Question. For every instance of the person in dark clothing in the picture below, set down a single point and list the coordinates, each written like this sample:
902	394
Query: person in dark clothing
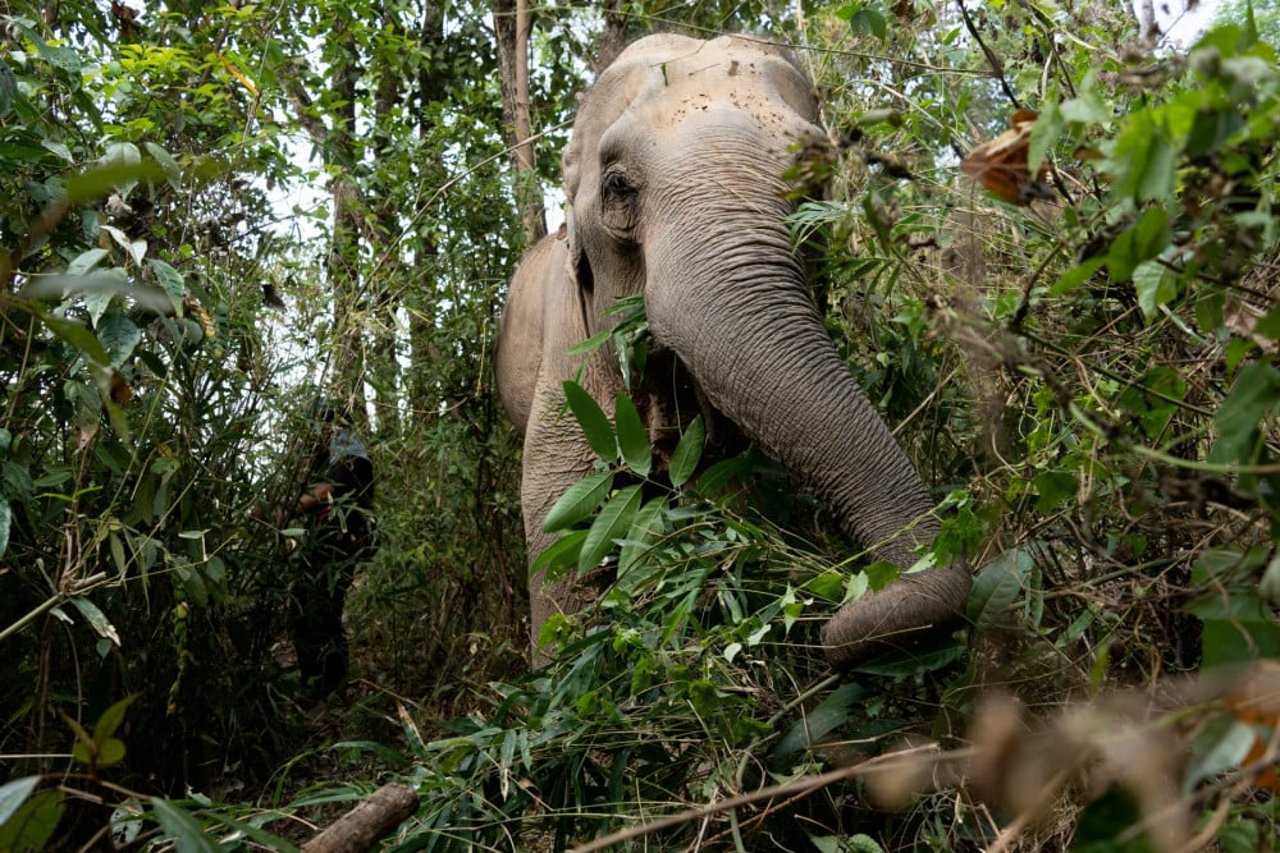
339	524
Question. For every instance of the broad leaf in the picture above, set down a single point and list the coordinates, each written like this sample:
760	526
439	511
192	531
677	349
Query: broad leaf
96	618
170	281
182	828
684	461
6	520
645	530
996	587
633	439
86	261
14	794
819	722
614	521
77	335
595	424
33	823
577	502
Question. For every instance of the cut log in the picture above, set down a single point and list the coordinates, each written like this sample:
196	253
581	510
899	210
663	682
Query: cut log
366	824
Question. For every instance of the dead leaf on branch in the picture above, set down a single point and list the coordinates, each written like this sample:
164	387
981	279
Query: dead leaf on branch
1000	164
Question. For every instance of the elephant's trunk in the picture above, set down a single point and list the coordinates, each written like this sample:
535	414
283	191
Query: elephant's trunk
742	322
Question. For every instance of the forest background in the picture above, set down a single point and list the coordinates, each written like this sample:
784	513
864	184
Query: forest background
212	213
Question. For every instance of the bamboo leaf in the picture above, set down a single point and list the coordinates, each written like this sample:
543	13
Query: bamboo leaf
577	502
633	439
595	424
684	461
614	521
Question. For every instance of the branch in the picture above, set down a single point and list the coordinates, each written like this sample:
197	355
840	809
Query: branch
365	825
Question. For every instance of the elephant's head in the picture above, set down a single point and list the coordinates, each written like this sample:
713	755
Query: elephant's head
674	181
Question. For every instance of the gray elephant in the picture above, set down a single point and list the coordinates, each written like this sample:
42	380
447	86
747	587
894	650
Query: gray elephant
673	177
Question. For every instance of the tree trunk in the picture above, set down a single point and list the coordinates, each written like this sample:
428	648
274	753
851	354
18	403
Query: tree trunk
512	29
613	38
347	368
421	296
389	273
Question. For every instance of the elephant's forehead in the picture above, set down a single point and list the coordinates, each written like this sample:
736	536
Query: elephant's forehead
756	85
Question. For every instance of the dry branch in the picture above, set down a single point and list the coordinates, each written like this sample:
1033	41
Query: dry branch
366	824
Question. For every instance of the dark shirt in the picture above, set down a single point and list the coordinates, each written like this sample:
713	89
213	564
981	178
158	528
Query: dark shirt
346	523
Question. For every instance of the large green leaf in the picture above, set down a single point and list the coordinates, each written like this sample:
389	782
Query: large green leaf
684	461
14	794
1256	393
185	831
6	519
171	282
996	587
32	824
119	335
77	335
595	424
577	502
818	723
614	521
645	530
633	439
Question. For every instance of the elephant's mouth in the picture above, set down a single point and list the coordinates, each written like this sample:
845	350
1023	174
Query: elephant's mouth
668	398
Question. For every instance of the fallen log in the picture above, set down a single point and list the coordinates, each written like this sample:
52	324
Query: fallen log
366	824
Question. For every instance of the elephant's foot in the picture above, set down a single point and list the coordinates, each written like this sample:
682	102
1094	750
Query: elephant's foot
909	609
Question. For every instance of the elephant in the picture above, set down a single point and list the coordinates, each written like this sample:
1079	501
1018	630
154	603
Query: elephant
673	178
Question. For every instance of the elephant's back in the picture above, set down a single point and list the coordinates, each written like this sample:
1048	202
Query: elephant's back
518	355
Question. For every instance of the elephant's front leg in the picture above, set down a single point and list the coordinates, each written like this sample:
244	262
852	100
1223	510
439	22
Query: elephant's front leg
556	456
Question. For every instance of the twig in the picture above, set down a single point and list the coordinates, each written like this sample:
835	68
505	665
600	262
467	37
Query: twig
796	789
996	67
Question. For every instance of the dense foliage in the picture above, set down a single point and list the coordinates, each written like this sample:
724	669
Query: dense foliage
211	214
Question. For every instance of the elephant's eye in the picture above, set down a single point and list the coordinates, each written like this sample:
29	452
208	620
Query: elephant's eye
616	186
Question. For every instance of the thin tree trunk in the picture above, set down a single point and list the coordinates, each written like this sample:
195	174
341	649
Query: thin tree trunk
512	29
389	275
613	38
422	297
344	248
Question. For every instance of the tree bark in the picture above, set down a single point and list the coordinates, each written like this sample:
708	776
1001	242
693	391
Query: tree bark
365	825
613	38
512	30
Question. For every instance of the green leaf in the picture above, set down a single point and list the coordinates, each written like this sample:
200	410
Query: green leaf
86	261
1087	108
32	825
880	574
1255	395
1044	133
77	335
119	336
633	439
1142	242
96	618
6	521
14	794
8	89
559	555
996	587
646	529
819	722
1221	746
1077	276
182	828
1156	285
111	719
1054	488
684	461
171	282
1107	817
1144	160
591	344
166	161
577	502
614	521
595	425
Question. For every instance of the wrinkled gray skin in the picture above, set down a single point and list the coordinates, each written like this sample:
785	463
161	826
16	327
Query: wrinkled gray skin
673	182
